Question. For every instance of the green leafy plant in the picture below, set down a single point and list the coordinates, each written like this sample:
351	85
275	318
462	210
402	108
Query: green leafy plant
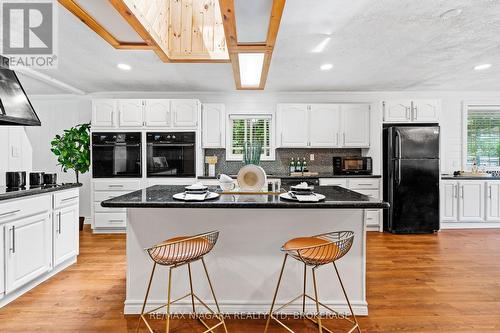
73	149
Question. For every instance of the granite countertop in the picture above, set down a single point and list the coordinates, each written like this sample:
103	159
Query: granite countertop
321	175
161	196
7	193
470	177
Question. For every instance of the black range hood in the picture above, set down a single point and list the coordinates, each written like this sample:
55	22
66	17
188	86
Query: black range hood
15	107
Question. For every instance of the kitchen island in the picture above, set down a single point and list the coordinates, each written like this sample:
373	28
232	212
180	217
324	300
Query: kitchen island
246	261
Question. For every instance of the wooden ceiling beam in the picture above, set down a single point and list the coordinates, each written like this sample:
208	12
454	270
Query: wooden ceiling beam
89	21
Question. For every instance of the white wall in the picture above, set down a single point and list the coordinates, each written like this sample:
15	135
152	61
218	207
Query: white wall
15	151
57	114
60	112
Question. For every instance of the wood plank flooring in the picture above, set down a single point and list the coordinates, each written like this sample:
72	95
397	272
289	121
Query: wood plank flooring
448	282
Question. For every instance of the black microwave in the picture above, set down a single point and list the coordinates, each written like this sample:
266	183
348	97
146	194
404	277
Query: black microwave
352	165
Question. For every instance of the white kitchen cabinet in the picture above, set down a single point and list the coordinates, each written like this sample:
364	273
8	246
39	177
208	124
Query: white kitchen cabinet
184	113
355	125
449	201
425	110
408	111
324	125
65	233
157	113
2	262
493	201
104	113
130	113
213	126
292	124
471	201
29	250
397	111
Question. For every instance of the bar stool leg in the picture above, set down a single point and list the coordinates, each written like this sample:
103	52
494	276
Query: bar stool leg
275	294
317	300
168	299
347	298
213	294
304	296
146	298
191	287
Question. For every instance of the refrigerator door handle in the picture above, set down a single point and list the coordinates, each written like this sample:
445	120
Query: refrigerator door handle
398	171
398	139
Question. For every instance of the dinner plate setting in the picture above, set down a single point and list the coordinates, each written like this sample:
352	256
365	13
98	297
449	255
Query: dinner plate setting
196	192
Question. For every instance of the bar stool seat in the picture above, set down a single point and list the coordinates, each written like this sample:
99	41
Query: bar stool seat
316	251
183	251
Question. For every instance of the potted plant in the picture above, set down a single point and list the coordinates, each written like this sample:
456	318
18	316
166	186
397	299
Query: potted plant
73	152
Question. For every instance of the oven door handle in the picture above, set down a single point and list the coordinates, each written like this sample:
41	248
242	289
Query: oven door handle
171	144
116	145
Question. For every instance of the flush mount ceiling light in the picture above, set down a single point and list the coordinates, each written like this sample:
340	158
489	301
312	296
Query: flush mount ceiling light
124	67
454	12
482	67
326	67
251	65
321	46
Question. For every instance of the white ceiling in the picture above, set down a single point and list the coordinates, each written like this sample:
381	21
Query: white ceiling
375	45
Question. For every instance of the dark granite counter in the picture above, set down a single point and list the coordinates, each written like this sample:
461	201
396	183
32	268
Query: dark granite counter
161	196
321	175
7	193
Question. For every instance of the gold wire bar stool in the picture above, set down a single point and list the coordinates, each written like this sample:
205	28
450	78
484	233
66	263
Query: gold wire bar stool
177	252
315	252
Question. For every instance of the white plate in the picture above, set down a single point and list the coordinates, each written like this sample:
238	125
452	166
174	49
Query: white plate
251	178
182	196
287	196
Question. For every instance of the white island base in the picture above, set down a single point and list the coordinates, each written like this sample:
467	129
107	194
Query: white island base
245	263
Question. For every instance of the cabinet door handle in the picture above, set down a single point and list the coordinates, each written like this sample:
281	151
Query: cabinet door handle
461	190
116	221
10	213
71	198
115	185
489	191
59	222
454	191
13	248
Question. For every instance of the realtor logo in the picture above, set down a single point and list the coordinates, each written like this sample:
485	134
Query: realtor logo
28	32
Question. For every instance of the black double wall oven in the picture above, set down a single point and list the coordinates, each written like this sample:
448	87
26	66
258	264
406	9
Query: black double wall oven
117	155
171	154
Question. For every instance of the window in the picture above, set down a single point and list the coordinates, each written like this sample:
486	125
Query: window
253	129
483	135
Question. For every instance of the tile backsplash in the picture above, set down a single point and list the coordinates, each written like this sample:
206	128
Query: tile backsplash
322	160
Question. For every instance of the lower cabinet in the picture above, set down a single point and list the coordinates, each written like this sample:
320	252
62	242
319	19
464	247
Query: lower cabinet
28	245
2	263
493	201
65	234
471	201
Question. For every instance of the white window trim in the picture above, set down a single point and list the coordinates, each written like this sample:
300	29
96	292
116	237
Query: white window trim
465	116
229	135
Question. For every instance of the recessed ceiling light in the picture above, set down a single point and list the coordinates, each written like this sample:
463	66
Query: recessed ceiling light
326	67
124	67
454	12
321	46
250	69
482	67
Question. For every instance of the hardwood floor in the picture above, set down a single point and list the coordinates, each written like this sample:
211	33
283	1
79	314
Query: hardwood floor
448	282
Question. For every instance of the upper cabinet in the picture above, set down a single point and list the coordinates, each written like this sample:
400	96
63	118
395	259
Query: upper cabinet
104	113
407	111
157	113
150	113
184	112
323	125
213	126
130	113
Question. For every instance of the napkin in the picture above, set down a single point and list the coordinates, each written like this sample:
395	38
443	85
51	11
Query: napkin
195	196
311	197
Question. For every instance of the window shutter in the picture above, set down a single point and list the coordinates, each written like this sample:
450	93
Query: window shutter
483	135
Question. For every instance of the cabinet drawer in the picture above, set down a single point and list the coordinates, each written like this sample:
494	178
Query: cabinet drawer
375	194
99	209
342	182
113	185
372	218
66	198
110	220
24	207
364	183
101	196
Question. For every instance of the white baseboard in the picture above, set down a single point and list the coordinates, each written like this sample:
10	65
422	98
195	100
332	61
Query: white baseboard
469	225
27	287
109	231
241	307
88	220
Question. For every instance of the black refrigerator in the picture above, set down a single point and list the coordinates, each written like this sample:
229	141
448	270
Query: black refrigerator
411	178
